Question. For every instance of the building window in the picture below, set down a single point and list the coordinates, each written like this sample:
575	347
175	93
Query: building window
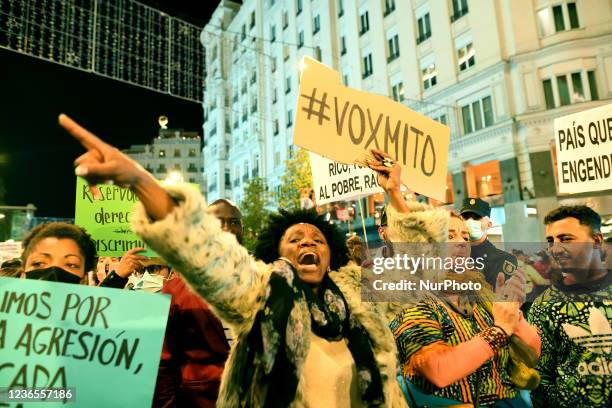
548	94
275	127
466	57
252	20
367	66
298	6
424	27
254	106
342	45
243	33
274	64
340	8
286	52
289	117
285	20
274	97
460	9
560	17
592	85
177	152
192	168
364	20
442	119
253	77
571	88
244	114
300	39
429	76
316	24
345	80
477	115
161	168
394	51
192	153
287	85
162	153
389	7
398	92
228	181
273	33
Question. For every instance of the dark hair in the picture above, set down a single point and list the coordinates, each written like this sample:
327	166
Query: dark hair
227	202
62	230
270	237
585	215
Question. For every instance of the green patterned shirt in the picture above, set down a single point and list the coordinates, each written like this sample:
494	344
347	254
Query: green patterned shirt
576	363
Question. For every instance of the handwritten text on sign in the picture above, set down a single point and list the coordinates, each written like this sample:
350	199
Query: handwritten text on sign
337	182
583	142
58	335
342	124
107	220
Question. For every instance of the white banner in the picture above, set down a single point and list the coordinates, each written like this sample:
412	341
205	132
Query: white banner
583	142
10	250
338	182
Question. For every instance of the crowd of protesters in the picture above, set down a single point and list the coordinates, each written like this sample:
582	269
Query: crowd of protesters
300	334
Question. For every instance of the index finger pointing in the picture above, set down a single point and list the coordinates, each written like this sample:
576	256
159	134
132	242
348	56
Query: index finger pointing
84	136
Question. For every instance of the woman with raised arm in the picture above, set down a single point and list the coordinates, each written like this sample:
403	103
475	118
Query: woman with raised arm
302	336
459	347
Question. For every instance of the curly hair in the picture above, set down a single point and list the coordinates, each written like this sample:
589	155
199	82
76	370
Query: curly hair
62	230
276	225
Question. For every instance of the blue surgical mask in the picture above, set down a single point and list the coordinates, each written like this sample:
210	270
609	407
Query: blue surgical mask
474	229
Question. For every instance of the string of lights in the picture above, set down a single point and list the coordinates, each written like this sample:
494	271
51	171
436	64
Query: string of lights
118	39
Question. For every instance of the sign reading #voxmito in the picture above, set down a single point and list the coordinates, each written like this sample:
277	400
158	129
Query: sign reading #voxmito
583	142
103	345
343	124
338	182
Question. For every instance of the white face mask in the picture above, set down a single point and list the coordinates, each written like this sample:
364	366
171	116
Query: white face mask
474	229
147	282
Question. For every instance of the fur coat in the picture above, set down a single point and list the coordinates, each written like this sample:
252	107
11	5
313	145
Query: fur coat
234	284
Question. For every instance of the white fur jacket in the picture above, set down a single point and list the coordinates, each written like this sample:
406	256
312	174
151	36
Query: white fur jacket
224	274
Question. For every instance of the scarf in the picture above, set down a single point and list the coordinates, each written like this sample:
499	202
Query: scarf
275	342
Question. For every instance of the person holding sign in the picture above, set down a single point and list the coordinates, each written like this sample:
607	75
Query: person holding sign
455	348
294	343
59	252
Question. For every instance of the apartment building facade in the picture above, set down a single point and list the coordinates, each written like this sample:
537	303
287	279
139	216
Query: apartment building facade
496	72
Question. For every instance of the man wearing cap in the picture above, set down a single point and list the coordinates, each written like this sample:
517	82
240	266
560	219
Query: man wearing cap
476	213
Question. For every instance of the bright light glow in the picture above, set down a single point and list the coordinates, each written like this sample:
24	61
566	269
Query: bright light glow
174	177
2	216
301	65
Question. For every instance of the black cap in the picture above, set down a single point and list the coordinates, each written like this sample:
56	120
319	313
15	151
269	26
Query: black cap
383	218
476	206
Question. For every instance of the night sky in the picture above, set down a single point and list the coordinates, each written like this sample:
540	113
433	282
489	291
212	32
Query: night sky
36	155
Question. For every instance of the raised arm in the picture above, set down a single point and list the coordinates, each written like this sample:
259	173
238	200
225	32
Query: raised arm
175	223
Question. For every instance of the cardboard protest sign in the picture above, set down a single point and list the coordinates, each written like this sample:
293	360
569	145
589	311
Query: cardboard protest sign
103	344
583	143
343	124
337	182
107	220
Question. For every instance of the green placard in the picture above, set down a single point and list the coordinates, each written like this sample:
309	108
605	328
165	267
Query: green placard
103	343
107	219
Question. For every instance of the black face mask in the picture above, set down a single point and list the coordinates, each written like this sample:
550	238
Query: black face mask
53	274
